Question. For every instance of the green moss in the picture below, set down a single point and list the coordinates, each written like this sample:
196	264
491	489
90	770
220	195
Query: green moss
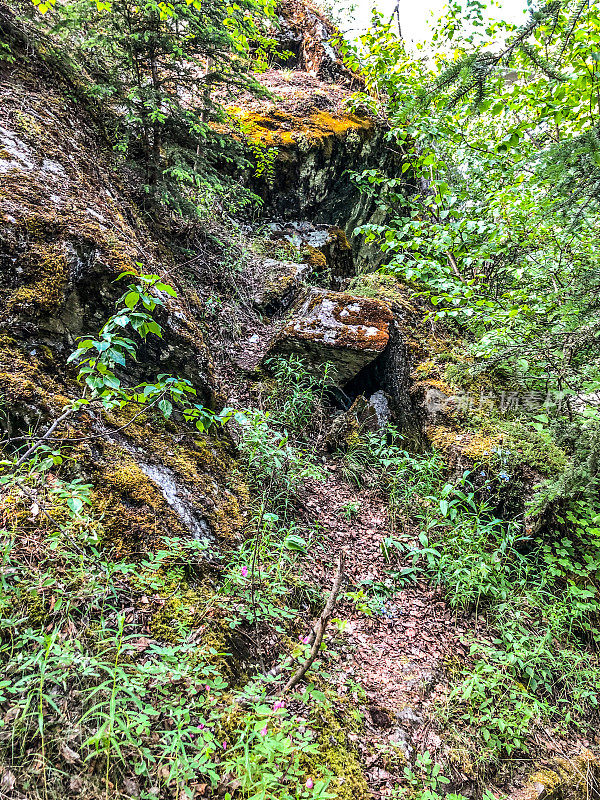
23	383
128	480
567	778
316	259
37	613
487	440
380	286
28	124
335	755
533	448
46	276
206	464
344	433
175	619
136	517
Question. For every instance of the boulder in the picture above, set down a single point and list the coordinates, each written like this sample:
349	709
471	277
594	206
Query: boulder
346	428
280	284
330	253
345	331
561	778
68	229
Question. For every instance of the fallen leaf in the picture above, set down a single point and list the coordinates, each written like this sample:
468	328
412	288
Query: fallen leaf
131	787
70	756
140	644
7	780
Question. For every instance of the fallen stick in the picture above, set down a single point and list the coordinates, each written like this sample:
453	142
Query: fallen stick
31	450
318	631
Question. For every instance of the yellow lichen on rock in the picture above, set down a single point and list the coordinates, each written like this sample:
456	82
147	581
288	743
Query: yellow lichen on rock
285	130
46	275
565	779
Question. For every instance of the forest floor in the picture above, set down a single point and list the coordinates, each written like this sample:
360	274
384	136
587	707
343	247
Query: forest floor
395	649
396	652
398	639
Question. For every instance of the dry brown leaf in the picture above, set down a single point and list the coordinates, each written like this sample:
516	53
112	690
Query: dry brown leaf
140	644
69	755
131	786
7	780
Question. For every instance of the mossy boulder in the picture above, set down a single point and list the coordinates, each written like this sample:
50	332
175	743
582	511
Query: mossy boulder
327	250
306	140
69	228
280	284
347	427
334	328
310	153
576	778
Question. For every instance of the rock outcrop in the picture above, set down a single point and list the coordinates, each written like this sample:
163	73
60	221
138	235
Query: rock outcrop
337	263
307	40
334	328
307	144
68	228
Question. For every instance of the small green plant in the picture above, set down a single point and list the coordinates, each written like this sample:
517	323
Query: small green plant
274	466
98	358
425	779
155	710
5	53
370	597
350	510
525	589
296	395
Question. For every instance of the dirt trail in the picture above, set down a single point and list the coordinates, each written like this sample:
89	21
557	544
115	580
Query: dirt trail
397	654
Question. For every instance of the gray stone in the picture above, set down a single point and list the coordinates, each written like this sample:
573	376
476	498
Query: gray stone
334	328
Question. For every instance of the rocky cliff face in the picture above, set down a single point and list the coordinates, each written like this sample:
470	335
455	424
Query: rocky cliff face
68	229
308	145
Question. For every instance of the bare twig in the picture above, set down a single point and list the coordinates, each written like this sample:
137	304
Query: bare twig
45	436
319	629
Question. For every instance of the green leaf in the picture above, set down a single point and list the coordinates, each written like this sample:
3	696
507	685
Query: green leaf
295	542
131	299
75	504
166	407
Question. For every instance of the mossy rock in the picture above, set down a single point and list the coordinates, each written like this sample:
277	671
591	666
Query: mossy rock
335	754
577	778
382	286
337	328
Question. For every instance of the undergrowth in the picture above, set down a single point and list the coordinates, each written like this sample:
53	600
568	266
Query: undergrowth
532	598
124	675
147	675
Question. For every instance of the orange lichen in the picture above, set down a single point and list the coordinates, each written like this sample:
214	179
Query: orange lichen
342	321
284	130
